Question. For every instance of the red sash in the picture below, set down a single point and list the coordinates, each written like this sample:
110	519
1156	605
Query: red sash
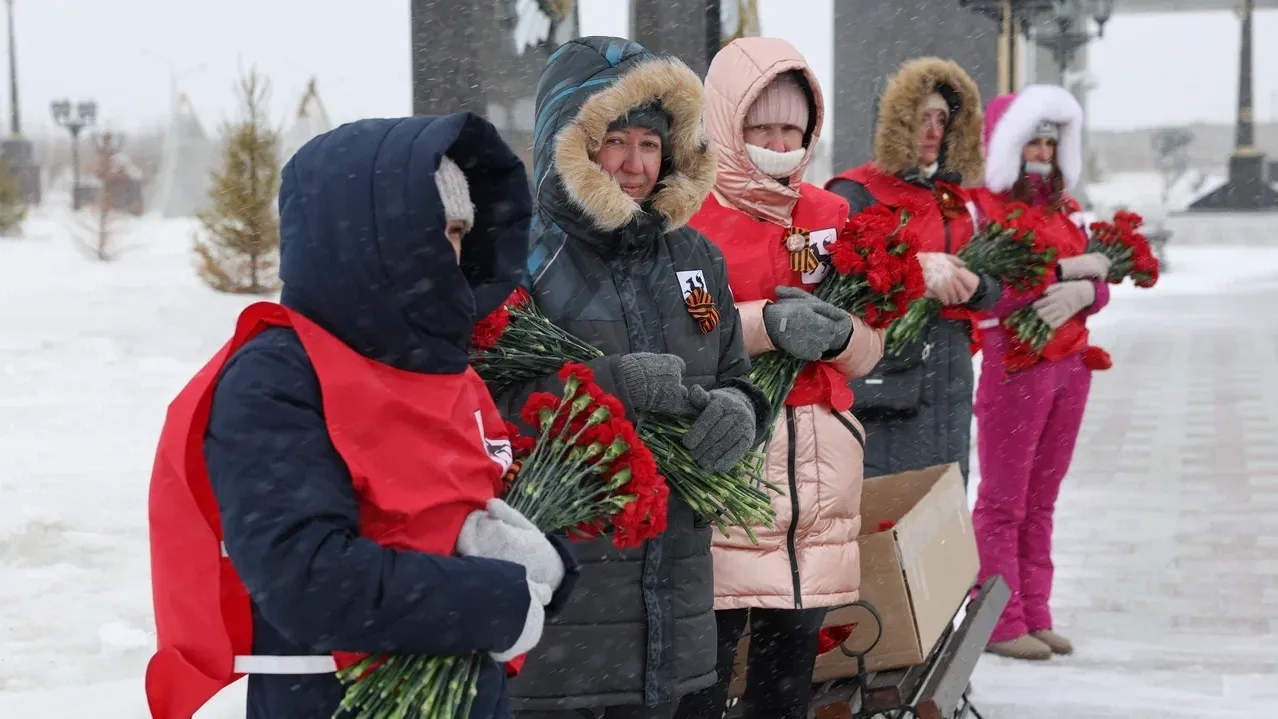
758	262
387	425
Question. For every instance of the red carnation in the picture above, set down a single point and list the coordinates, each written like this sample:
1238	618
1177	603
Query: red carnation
489	330
845	258
879	279
519	443
583	373
536	404
831	638
519	299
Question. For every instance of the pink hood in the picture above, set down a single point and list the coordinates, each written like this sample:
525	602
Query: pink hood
738	74
1010	121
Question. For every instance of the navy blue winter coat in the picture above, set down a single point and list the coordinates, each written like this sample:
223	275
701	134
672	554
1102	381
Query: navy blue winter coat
364	255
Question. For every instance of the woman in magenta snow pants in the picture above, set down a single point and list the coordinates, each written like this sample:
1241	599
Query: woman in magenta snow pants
1029	406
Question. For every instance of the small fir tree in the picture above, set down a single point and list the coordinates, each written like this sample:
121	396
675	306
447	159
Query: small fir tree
13	209
96	227
238	251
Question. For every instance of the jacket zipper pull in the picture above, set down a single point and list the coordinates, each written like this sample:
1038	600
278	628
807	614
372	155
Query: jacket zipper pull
927	350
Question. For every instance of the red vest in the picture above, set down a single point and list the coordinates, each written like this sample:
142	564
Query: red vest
923	205
1061	230
936	232
385	423
758	262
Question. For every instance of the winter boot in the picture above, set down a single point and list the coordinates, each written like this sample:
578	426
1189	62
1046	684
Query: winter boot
1054	641
1022	647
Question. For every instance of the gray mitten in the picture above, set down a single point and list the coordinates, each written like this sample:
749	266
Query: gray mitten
803	326
654	383
723	431
499	531
534	623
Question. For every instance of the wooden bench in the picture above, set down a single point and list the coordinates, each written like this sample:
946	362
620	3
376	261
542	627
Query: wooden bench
936	689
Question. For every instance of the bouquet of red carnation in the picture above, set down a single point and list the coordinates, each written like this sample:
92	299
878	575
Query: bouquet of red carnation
1126	247
1129	256
1010	251
876	276
585	470
517	343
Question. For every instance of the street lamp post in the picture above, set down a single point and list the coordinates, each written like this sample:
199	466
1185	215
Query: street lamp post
1069	16
1072	33
85	113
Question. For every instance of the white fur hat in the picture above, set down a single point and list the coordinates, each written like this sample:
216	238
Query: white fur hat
1015	121
454	192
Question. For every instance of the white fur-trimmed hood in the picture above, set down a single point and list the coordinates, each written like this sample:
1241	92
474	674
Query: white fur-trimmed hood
1014	126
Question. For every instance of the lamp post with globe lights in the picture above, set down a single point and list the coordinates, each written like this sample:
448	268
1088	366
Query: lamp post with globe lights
74	119
1071	33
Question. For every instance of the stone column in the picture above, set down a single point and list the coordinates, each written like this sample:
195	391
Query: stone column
447	52
873	39
485	56
687	29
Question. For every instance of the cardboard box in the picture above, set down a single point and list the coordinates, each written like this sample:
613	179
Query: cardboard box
916	574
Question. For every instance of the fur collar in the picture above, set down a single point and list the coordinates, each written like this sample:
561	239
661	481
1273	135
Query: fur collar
682	191
895	135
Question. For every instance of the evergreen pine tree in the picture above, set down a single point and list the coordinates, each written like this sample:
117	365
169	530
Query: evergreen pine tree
13	210
238	251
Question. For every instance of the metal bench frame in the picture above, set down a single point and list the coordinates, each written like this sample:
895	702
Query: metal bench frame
936	689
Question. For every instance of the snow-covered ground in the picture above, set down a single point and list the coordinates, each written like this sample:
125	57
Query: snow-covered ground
90	354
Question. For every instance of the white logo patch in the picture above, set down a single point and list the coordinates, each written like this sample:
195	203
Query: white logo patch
498	450
819	241
690	280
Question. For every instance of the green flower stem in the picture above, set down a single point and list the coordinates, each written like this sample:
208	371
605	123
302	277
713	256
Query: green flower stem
533	346
1029	328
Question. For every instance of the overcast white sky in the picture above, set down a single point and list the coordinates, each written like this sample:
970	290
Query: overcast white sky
1151	69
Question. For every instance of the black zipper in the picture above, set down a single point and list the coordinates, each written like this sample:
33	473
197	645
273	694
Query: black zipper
794	509
847	423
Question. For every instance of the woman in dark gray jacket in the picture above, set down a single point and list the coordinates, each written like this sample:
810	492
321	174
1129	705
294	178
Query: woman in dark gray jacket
917	404
621	163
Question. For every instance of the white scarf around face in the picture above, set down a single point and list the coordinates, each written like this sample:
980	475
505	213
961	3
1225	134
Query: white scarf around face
1041	169
775	164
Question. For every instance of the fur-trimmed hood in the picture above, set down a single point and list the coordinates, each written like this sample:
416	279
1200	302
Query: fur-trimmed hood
1010	123
589	82
739	73
895	135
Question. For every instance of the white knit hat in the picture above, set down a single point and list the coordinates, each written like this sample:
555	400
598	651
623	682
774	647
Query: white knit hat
936	101
454	192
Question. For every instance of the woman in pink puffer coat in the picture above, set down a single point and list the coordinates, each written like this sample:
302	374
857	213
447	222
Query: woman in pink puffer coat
764	112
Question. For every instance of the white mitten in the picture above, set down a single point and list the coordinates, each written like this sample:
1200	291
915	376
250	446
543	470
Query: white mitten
539	597
1063	300
938	269
1093	264
500	532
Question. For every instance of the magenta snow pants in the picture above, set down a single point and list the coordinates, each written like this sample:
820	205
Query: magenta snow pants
1027	425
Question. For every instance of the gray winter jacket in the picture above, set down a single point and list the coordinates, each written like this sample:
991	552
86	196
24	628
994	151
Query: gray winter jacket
640	627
